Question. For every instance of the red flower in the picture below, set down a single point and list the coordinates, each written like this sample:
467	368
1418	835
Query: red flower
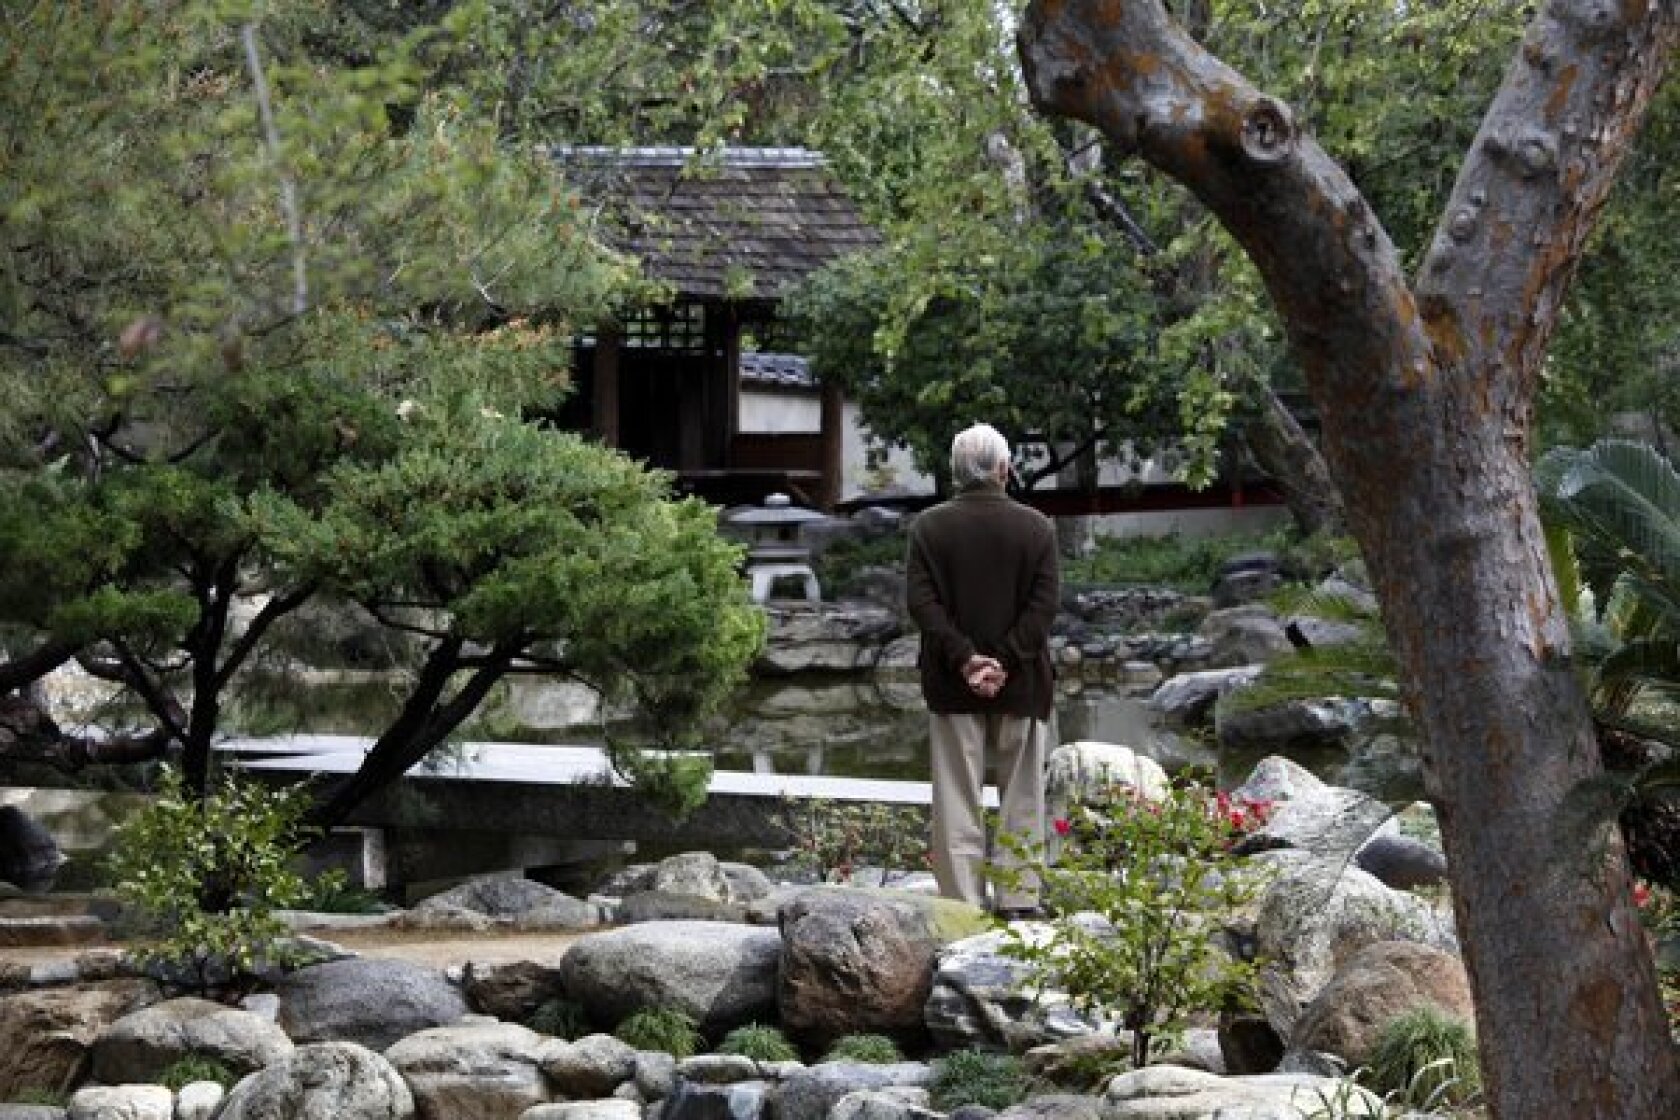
1062	825
1641	895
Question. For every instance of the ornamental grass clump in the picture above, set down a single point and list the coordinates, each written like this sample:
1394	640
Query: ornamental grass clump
664	1029
1142	889
1423	1058
970	1077
868	1049
759	1042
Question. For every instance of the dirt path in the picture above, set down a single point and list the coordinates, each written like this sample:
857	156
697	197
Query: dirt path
432	947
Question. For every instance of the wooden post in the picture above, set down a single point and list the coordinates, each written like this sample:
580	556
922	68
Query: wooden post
608	342
833	428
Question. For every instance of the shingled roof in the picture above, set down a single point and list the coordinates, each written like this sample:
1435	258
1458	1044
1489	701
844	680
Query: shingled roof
740	223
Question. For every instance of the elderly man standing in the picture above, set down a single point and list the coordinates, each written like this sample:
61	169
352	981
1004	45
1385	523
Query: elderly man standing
982	586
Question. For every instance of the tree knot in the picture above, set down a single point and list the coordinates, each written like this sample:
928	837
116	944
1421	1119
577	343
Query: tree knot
1268	131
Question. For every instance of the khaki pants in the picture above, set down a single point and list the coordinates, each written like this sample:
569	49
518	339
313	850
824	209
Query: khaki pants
960	744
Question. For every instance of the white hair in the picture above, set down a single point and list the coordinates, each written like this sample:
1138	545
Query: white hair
976	454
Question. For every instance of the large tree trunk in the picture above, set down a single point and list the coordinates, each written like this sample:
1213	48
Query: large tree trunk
1425	397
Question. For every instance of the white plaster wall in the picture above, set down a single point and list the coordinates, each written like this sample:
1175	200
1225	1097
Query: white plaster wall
771	411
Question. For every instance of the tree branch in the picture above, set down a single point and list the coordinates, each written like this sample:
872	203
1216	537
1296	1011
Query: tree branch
288	188
1529	192
272	611
20	672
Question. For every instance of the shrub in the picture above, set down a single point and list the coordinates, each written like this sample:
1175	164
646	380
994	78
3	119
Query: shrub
196	1067
209	874
1423	1057
872	1049
1141	888
759	1042
834	838
674	1032
994	1081
562	1018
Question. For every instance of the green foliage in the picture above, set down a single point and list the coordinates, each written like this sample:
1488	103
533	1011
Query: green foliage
759	1042
1424	1057
196	1067
210	873
1188	564
840	562
664	1029
330	892
45	1098
229	263
1140	888
976	1077
1614	509
869	1049
562	1018
835	838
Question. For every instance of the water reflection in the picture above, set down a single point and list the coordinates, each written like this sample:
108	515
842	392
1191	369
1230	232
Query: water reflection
880	730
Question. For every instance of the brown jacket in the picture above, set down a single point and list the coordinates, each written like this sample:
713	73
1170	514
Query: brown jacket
982	577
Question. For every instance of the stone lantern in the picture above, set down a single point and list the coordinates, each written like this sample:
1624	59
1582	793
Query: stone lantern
773	549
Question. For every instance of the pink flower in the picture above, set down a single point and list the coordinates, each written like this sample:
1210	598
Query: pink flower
1062	826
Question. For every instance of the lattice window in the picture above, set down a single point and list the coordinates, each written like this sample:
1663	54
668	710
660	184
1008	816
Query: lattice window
678	328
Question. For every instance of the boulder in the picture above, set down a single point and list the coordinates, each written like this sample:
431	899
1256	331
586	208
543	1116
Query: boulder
746	882
662	906
981	999
199	1100
1054	1106
1075	771
723	1069
140	1046
1187	699
370	1002
720	973
511	990
121	1102
1291	725
830	638
1276	778
741	1100
485	1071
49	1034
656	1075
593	1066
695	874
897	1103
30	1112
1245	635
1318	913
325	1081
1176	1093
29	856
1332	823
1378	984
1402	862
585	1110
514	898
853	962
810	1094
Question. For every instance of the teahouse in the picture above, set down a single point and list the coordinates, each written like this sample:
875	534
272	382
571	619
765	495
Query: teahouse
730	232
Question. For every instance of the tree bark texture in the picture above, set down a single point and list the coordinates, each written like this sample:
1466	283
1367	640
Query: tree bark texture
1425	389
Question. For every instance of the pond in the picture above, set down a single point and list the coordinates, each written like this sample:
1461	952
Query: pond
815	725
